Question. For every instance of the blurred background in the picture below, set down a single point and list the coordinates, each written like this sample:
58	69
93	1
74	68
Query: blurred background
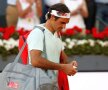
85	37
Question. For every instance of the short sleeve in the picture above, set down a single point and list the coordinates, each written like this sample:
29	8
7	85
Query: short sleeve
35	40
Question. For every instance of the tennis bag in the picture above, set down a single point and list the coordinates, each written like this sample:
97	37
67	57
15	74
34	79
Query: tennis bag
17	76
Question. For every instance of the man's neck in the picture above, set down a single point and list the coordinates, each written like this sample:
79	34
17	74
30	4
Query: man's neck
49	27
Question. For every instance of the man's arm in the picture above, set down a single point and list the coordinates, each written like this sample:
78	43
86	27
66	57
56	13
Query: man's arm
38	61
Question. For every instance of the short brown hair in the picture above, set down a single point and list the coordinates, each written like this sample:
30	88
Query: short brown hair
59	7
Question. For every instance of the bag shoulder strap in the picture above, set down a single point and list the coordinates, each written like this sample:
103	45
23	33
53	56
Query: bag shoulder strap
41	28
25	42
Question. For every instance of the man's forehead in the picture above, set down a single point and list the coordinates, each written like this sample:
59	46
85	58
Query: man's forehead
65	20
60	14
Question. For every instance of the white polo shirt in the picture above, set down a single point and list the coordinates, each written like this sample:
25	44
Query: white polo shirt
54	45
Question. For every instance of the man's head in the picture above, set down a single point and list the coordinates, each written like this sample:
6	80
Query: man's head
58	15
60	8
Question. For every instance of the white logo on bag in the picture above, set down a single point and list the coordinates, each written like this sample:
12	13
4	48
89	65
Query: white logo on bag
12	84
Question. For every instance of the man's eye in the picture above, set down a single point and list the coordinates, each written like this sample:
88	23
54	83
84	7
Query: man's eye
63	23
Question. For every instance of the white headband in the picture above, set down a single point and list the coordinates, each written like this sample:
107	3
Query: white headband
60	14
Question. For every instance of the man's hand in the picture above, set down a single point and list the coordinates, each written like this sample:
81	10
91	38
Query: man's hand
70	69
74	63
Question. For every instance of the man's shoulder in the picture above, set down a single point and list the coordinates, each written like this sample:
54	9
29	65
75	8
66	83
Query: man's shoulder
39	27
35	33
37	30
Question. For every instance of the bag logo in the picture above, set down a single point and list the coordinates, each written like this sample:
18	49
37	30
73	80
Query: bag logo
12	84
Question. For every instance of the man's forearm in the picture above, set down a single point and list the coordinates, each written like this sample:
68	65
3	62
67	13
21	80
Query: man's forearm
46	64
38	61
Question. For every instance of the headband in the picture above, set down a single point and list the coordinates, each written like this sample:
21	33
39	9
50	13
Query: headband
60	14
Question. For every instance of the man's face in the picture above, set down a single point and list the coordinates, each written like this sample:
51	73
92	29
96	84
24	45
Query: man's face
59	24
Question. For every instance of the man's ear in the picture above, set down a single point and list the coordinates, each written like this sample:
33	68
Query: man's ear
52	17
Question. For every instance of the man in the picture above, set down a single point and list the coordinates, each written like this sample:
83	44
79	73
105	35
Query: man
57	18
